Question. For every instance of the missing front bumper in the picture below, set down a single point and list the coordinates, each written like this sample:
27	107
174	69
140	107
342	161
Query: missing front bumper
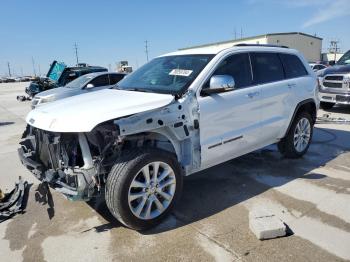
75	183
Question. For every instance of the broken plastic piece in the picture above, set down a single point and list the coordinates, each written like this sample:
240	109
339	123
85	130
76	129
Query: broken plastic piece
13	202
23	98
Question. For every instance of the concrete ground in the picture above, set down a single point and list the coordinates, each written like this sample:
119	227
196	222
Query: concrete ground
311	195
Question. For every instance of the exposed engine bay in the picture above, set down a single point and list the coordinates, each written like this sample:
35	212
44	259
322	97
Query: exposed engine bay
77	164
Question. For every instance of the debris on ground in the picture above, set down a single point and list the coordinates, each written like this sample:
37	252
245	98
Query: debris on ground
44	197
13	202
265	225
23	98
327	119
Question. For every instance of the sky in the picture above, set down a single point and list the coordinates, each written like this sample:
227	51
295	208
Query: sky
110	31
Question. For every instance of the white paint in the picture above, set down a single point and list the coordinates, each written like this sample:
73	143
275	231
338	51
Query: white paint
326	200
332	239
217	252
6	254
82	113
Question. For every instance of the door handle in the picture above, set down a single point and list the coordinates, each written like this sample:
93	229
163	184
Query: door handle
253	94
291	85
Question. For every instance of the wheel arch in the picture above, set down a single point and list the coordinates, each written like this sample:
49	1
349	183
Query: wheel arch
308	105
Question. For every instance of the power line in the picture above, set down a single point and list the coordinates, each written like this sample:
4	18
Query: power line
146	49
76	52
334	48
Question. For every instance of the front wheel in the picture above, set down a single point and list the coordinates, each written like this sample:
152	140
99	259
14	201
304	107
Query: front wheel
143	187
297	141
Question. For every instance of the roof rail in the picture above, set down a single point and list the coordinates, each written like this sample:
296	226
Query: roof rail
262	45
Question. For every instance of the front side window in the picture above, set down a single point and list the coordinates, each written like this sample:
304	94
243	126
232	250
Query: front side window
267	67
167	74
100	81
237	66
80	81
293	67
345	59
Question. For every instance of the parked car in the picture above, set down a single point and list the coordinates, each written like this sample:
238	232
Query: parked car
59	75
335	83
8	80
316	67
179	114
83	84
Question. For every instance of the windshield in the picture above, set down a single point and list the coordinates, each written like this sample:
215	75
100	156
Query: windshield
345	59
80	82
167	74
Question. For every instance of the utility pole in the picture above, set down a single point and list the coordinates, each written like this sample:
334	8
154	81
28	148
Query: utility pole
235	34
76	52
146	49
33	64
8	66
241	33
334	48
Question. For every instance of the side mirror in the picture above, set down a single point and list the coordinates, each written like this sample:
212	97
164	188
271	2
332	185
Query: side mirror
219	84
90	85
331	63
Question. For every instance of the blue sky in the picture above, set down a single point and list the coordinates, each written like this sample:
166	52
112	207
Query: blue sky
109	31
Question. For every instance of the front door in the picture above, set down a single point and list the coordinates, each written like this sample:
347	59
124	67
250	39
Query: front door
229	122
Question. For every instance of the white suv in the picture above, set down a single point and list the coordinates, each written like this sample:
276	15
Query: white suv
179	114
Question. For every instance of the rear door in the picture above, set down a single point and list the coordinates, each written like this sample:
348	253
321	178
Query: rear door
276	94
229	122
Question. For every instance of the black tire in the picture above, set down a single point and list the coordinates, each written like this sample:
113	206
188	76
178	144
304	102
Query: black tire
121	176
286	145
326	105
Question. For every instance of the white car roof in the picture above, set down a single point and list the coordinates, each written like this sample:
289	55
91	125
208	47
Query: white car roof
215	50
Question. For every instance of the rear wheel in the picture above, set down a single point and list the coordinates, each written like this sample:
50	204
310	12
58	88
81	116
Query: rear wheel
143	187
298	138
326	105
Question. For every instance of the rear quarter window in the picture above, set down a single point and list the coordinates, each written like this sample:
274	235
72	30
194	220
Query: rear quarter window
267	67
293	67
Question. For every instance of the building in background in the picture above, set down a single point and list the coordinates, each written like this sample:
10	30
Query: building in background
309	45
123	67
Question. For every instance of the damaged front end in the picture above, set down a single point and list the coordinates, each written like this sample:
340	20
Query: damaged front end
71	163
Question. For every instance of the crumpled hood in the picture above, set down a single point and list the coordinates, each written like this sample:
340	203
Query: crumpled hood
336	69
83	112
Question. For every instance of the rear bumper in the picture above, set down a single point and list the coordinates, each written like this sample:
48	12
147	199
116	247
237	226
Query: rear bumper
335	98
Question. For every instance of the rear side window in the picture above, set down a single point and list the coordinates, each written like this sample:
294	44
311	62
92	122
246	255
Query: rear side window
267	67
237	66
293	67
115	78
